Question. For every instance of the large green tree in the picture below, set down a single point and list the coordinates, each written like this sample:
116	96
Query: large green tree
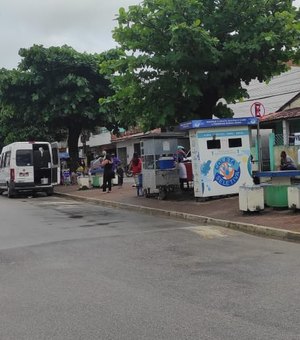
54	91
177	58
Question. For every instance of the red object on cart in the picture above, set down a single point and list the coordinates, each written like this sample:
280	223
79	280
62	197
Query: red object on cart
189	171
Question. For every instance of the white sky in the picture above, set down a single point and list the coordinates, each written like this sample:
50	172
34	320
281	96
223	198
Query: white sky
85	25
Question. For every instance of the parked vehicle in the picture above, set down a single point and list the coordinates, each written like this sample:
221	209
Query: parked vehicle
29	167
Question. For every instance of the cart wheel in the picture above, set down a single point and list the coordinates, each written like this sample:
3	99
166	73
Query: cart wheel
162	194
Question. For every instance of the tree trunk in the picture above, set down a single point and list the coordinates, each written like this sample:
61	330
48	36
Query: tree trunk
206	107
73	136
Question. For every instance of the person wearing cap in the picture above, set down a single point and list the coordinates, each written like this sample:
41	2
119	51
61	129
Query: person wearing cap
180	153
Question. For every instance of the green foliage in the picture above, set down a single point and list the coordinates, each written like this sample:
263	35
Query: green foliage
177	58
54	92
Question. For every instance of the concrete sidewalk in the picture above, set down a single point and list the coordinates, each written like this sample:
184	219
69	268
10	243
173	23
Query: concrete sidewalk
282	224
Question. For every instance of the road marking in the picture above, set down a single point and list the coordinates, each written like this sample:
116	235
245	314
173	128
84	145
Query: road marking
209	232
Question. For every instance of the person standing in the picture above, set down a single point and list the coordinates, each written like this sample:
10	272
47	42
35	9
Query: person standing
180	154
116	162
120	174
108	173
136	168
182	175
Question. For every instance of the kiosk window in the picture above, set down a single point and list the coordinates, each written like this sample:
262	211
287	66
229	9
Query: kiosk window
235	142
214	144
149	162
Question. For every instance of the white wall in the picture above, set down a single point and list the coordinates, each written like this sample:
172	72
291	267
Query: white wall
129	146
293	104
96	140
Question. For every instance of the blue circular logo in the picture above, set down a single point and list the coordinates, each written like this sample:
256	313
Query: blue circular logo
227	171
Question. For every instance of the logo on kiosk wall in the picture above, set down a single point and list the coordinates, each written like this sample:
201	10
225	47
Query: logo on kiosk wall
227	171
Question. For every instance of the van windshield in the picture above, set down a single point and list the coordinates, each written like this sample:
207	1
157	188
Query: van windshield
24	158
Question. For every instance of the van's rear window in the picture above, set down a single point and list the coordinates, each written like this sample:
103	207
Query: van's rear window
24	158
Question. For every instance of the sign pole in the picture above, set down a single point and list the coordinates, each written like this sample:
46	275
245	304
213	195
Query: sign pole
259	156
258	110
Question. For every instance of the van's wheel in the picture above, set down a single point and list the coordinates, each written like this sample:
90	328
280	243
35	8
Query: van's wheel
10	192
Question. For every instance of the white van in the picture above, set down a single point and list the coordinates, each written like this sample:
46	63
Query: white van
29	166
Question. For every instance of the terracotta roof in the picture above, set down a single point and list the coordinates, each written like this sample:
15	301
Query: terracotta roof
126	137
169	134
280	115
135	135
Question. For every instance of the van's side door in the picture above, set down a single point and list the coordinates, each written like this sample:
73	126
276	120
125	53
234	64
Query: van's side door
2	177
5	170
55	164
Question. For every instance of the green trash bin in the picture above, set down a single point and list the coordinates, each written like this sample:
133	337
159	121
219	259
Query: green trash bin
276	196
96	181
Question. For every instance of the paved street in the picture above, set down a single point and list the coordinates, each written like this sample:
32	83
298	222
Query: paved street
221	208
72	270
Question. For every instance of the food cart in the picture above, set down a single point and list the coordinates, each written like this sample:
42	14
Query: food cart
221	158
160	173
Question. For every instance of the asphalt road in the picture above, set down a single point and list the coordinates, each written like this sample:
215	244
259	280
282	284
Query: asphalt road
81	271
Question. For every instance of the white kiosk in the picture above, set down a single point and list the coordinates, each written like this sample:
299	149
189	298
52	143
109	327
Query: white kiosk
221	158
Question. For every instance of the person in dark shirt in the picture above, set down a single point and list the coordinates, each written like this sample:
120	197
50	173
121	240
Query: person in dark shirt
108	173
287	162
120	174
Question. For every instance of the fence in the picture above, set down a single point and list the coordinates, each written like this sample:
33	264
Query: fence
278	140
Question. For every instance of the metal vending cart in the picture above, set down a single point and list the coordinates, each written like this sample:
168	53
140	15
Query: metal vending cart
221	158
160	174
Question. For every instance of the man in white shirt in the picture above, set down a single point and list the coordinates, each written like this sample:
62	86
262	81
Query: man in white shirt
182	175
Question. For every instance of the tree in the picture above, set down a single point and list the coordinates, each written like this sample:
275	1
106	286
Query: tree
17	120
177	58
54	91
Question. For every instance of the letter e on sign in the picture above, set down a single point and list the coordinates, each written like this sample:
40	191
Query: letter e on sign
257	109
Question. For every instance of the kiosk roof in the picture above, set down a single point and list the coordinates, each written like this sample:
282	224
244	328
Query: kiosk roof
208	123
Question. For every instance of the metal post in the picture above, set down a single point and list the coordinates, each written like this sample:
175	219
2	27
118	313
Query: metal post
259	156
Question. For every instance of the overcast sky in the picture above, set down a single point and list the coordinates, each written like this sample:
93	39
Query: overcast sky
85	25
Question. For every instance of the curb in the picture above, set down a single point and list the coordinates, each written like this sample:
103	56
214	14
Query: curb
239	226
